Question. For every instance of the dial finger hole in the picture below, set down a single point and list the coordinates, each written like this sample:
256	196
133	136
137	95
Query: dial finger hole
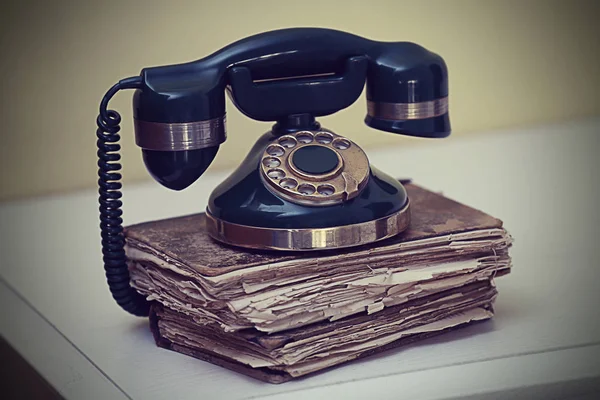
271	162
288	142
325	190
306	189
341	144
324	138
275	150
288	183
304	137
275	174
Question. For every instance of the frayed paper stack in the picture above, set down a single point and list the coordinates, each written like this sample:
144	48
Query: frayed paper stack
277	316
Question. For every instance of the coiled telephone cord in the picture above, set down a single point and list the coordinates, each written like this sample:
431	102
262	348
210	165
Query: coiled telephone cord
109	190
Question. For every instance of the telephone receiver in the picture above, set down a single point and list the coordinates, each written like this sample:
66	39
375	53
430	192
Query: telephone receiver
302	187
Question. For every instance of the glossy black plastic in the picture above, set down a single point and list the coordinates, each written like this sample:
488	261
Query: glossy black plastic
315	160
294	123
178	169
244	199
275	100
398	72
436	127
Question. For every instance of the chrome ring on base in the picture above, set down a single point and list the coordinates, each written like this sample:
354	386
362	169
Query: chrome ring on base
308	239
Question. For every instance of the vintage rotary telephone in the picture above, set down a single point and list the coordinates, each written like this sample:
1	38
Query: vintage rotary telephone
301	187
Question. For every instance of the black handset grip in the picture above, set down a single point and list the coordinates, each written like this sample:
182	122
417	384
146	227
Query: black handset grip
316	96
398	75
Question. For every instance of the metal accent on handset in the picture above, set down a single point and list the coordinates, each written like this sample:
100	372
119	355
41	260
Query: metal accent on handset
180	136
407	111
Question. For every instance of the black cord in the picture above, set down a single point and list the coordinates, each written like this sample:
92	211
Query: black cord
109	190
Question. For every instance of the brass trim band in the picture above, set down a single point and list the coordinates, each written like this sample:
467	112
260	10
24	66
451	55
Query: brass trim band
404	111
308	239
180	136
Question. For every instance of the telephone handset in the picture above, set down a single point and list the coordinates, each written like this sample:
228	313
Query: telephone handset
302	187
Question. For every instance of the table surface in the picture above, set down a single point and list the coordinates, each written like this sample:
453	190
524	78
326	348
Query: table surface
544	340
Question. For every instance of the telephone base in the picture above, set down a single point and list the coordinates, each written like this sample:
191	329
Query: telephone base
306	191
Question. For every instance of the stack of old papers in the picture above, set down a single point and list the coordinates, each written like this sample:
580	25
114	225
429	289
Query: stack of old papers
277	316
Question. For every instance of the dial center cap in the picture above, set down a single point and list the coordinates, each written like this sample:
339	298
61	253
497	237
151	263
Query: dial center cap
315	160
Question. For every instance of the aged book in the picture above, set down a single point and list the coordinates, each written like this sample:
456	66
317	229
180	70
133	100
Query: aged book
278	316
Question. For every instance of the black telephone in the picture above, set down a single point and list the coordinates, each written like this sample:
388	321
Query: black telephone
301	187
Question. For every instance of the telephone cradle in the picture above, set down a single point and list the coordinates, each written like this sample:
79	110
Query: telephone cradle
302	186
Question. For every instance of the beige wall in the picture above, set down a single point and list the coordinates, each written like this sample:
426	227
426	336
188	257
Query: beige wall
511	63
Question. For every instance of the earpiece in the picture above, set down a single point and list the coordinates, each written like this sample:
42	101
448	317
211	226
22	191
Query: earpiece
407	92
177	170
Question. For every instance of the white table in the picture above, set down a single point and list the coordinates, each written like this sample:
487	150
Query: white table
544	341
